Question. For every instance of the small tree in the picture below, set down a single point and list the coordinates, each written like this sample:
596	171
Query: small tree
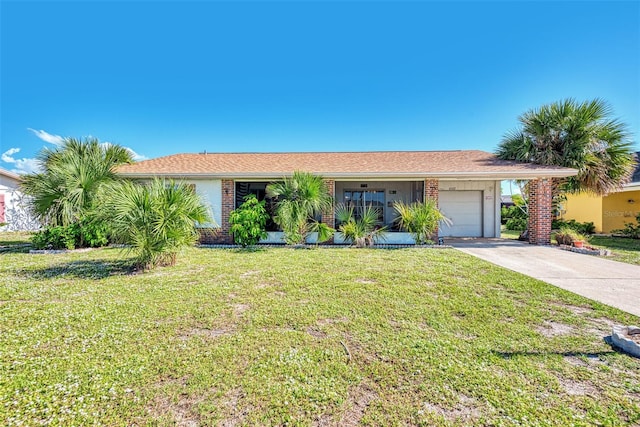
248	222
156	219
71	176
298	200
420	219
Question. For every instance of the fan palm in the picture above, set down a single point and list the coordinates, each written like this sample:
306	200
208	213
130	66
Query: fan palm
155	220
362	231
71	174
299	199
420	219
576	135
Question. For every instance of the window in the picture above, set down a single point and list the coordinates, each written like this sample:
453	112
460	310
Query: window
359	199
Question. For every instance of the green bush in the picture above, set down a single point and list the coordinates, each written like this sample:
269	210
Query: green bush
249	221
56	237
567	235
363	231
517	224
580	227
630	229
511	212
86	233
156	219
92	234
420	219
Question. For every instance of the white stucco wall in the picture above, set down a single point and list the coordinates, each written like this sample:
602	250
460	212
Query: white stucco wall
210	191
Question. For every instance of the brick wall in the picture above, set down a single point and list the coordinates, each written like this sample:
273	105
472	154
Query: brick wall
431	192
228	204
329	216
431	189
540	212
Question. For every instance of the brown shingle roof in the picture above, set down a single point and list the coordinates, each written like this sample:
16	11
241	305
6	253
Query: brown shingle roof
378	164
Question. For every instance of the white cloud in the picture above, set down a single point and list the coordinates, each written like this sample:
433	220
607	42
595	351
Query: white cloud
137	157
6	156
30	165
19	166
47	137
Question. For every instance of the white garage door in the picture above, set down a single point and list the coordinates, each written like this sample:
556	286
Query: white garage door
464	209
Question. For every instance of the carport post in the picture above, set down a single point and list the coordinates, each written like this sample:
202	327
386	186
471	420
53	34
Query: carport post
540	211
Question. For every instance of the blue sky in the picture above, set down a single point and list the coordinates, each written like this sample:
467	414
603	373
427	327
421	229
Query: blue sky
167	77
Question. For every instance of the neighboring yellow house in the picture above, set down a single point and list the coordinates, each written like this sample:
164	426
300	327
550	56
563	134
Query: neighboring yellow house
607	213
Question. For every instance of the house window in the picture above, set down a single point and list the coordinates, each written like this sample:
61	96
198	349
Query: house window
359	199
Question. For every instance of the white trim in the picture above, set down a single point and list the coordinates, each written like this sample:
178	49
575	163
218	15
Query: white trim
360	176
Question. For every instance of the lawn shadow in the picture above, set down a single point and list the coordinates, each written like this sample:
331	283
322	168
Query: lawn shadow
589	355
15	247
84	269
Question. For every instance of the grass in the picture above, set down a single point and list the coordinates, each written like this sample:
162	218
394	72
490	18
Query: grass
15	241
509	234
622	249
303	337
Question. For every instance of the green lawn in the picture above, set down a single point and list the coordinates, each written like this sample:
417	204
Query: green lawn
305	337
623	249
509	234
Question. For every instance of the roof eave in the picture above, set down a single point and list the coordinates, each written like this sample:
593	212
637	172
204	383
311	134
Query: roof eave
489	175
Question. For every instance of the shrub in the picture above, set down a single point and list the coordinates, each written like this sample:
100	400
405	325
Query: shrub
86	233
55	237
363	231
517	224
630	229
299	200
156	220
248	222
420	219
511	212
92	233
567	235
580	227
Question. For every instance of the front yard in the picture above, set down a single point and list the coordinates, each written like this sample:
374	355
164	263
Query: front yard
303	337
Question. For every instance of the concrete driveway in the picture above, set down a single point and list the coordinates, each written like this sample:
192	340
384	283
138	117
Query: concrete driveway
614	283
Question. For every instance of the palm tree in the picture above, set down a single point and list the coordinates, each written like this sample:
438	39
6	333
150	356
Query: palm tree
71	175
362	231
575	135
420	219
299	199
155	220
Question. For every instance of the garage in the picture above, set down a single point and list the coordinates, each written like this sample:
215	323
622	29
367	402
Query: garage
464	209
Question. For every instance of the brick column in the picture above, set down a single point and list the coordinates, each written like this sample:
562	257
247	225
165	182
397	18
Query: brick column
329	216
431	192
228	204
431	189
540	211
